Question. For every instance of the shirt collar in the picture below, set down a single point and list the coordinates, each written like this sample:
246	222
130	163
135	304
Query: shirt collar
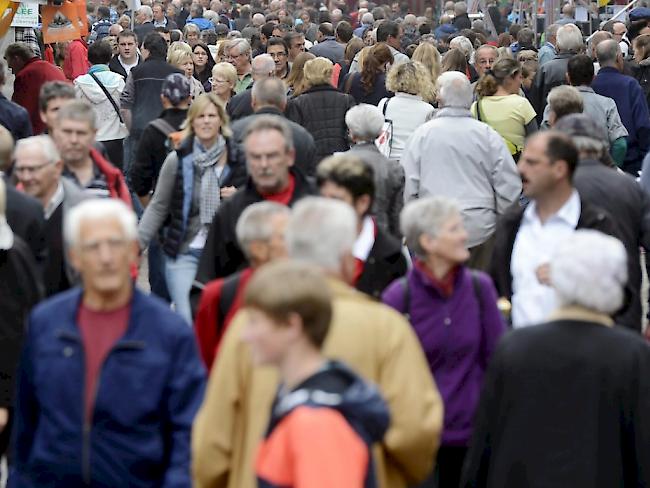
580	313
569	212
55	201
585	89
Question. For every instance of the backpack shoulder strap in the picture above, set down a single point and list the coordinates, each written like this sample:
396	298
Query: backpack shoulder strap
163	126
476	284
227	298
406	297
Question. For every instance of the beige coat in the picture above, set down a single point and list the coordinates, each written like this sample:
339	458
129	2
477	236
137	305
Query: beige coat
372	338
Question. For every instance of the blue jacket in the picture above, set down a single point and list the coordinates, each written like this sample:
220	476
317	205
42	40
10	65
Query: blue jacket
14	118
633	109
150	387
201	23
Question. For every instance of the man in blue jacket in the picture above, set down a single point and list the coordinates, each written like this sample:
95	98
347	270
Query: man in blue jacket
630	101
110	379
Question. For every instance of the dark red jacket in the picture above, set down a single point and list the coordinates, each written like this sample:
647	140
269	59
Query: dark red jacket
114	178
27	87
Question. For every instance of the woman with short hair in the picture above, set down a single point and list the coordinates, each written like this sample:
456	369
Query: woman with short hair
453	311
193	180
179	55
410	107
223	81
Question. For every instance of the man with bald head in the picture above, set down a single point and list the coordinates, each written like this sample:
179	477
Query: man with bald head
263	66
630	102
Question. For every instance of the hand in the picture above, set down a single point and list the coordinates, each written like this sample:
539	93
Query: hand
228	191
4	418
543	273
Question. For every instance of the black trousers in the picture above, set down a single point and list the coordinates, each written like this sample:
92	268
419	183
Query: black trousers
449	467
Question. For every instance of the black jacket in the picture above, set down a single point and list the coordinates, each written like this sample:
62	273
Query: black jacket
174	231
623	198
548	76
142	30
14	118
462	21
221	255
25	217
152	151
564	404
241	105
386	262
116	67
641	73
508	226
302	140
321	110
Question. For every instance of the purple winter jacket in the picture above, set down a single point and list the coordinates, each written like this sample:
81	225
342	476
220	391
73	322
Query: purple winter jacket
456	345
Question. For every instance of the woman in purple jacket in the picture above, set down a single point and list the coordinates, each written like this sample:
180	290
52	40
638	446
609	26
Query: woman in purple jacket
454	313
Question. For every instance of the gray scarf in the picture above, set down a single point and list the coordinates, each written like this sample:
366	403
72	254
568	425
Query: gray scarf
205	160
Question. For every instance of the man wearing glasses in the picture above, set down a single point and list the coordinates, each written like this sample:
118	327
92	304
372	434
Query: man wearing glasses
277	49
38	167
239	55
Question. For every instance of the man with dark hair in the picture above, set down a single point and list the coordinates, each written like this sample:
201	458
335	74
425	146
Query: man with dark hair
12	116
53	95
31	73
327	46
378	255
140	101
389	32
160	19
164	33
602	110
525	41
344	32
277	49
296	44
630	101
128	56
527	236
100	28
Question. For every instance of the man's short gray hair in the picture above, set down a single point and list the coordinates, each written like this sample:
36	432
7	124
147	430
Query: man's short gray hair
569	38
321	231
99	209
263	65
44	143
270	122
364	122
77	110
454	90
464	44
254	223
460	8
565	100
146	11
270	91
607	52
551	31
367	19
589	269
242	45
425	217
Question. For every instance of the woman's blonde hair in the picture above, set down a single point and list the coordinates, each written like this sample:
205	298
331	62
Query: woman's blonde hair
411	77
198	107
226	70
296	78
177	53
318	71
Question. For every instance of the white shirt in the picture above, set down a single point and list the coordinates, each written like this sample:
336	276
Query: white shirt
365	240
128	67
55	201
534	245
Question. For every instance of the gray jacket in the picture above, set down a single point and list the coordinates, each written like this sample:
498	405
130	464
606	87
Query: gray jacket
456	156
330	49
389	186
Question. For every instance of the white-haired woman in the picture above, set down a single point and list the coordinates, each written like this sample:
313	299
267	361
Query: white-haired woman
454	313
410	106
565	403
192	182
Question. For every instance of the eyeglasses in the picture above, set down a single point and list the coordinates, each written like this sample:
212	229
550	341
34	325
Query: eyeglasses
214	81
230	56
277	55
30	169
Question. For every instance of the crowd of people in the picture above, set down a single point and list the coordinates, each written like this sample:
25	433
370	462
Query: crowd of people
288	244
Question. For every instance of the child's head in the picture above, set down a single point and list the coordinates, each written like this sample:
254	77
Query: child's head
289	307
528	71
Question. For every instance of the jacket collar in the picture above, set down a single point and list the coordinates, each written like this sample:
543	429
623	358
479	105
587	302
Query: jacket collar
453	112
270	110
578	313
325	87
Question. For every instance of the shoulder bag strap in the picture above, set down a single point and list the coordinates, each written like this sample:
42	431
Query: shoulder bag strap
478	110
108	95
163	126
476	283
406	297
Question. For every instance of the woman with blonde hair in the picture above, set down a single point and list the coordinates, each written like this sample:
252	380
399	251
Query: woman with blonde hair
408	109
427	54
223	81
321	109
193	181
296	79
501	107
179	55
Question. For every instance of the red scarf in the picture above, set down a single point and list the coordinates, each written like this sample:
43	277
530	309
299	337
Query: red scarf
284	196
444	285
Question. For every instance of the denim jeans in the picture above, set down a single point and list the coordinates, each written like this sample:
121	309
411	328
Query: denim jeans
180	273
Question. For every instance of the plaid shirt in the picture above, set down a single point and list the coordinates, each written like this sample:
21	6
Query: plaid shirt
28	36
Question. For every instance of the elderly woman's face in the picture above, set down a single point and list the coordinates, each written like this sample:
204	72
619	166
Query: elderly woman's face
451	242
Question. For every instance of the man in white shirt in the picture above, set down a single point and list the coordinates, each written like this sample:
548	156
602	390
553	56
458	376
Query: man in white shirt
527	237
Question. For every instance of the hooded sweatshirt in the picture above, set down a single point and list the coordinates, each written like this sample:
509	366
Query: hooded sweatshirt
109	126
320	433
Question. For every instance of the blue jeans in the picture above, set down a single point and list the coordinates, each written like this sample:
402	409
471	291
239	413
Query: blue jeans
180	273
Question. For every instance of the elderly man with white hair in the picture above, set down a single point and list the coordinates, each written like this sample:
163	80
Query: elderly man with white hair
367	21
553	73
365	123
144	23
456	156
568	400
373	339
111	378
